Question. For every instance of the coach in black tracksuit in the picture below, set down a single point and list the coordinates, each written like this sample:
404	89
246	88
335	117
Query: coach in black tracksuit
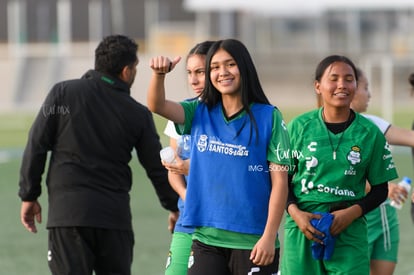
91	125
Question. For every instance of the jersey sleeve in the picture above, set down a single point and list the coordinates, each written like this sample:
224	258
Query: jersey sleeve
170	131
382	124
279	146
294	140
147	150
382	167
189	110
40	141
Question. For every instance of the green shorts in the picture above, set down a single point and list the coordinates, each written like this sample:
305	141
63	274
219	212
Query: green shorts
383	233
350	244
180	248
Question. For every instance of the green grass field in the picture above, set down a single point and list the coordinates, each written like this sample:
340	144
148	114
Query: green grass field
25	253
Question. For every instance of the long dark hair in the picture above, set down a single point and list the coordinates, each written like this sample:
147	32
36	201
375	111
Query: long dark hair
200	48
250	88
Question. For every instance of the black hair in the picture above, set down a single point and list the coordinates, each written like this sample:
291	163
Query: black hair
327	61
200	48
115	52
250	88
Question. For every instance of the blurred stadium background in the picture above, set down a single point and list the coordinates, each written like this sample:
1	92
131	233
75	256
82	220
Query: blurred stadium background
45	41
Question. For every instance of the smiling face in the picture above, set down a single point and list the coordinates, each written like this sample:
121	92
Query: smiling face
196	72
224	73
337	85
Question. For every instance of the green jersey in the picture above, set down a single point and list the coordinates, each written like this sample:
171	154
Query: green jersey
331	168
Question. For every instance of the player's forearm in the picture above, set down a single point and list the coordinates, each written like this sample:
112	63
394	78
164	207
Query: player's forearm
177	182
277	202
156	93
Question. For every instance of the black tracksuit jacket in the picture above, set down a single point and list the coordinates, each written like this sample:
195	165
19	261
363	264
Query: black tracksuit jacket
91	126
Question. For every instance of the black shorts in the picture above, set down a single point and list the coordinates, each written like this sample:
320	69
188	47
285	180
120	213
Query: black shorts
206	260
82	250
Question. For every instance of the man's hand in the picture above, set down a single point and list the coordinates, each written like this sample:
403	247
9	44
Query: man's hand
172	219
31	211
